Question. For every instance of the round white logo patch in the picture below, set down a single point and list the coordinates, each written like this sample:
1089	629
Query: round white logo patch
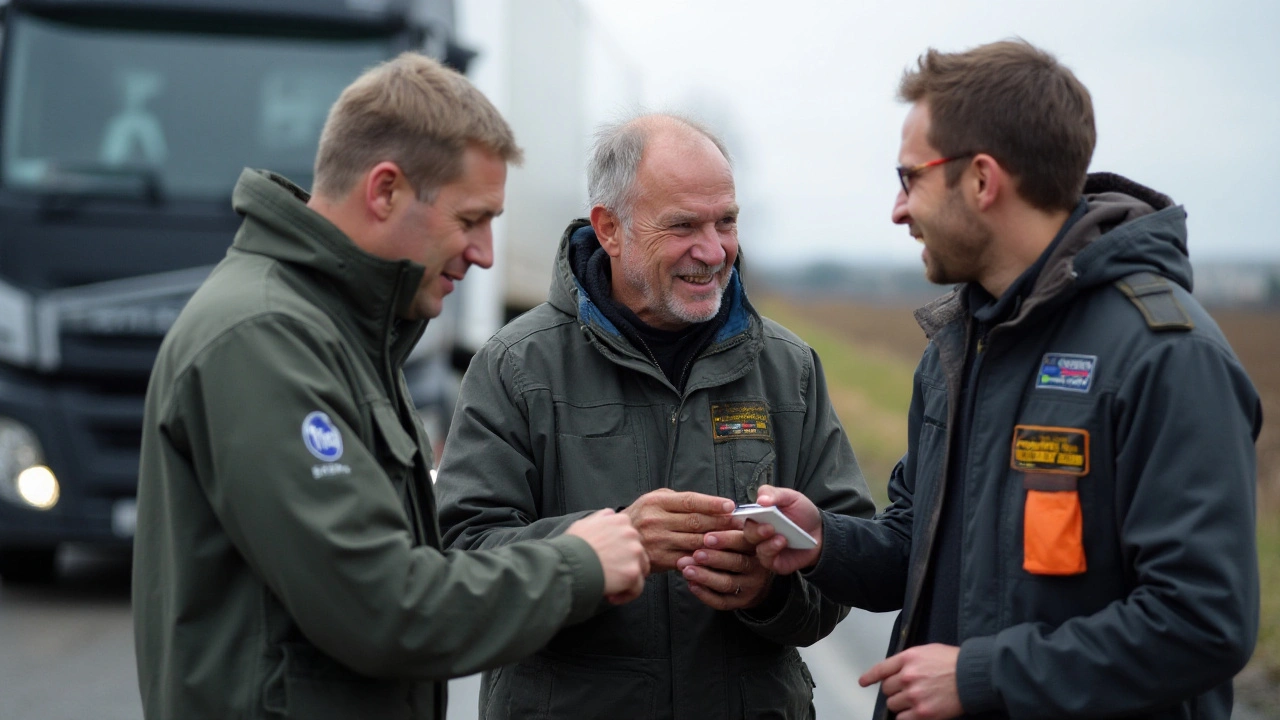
322	437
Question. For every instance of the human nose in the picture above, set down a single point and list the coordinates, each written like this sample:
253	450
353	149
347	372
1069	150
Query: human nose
480	252
900	215
709	248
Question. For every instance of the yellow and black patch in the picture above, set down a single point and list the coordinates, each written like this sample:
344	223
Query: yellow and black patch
740	421
1064	451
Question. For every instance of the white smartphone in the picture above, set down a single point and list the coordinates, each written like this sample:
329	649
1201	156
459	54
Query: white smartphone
797	539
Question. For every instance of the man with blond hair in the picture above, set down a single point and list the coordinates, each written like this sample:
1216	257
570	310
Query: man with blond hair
1070	533
288	560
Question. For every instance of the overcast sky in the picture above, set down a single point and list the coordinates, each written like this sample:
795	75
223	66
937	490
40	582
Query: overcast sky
1186	95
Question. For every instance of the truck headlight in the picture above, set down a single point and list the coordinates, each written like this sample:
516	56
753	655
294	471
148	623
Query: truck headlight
24	480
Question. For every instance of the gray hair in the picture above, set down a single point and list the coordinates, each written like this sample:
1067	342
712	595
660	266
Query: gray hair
616	153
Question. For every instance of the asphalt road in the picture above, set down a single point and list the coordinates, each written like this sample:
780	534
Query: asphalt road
66	651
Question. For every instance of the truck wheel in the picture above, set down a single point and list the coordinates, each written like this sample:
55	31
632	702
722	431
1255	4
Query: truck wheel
28	564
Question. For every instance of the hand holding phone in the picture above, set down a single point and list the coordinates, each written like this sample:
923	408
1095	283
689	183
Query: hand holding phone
797	538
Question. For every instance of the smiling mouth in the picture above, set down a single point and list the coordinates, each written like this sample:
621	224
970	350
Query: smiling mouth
697	279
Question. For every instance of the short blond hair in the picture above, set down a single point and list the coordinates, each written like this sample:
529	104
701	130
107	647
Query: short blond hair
412	111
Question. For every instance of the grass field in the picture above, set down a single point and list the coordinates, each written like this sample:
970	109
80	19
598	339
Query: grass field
869	353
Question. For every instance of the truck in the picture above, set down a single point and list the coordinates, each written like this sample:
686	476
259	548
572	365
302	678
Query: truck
123	127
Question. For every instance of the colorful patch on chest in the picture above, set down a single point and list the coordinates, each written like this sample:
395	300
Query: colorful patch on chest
1065	371
740	421
1057	450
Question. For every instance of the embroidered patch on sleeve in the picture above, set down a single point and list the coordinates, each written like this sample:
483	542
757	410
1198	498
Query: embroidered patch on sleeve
740	421
1050	450
1064	371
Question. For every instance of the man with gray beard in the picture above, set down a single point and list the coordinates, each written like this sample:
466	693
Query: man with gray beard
648	384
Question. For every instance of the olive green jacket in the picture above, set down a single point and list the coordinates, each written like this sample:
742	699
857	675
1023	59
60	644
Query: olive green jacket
287	560
560	415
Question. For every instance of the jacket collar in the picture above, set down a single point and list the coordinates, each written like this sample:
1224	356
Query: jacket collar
1126	228
368	290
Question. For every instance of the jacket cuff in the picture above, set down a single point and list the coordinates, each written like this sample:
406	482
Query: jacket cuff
828	568
586	576
973	676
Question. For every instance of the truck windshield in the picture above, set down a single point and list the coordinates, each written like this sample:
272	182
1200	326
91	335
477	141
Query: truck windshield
171	114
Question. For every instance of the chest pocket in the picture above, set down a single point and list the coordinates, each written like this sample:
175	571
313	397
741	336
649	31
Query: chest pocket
598	471
395	446
743	466
397	452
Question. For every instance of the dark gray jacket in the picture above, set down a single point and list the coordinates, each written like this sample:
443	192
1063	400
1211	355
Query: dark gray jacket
1163	609
559	416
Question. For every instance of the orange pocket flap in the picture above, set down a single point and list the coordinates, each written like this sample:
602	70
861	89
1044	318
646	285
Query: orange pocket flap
1053	528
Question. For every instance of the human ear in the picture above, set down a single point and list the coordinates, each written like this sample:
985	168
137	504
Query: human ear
989	179
608	229
381	185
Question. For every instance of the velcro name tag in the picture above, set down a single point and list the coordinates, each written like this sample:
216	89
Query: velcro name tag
740	421
1064	371
1063	451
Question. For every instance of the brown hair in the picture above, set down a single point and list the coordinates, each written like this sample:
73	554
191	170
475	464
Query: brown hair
414	112
1016	103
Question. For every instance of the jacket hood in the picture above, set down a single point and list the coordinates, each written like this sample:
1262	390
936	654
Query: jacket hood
570	296
375	291
1127	228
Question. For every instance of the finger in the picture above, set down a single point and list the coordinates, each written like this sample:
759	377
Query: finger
622	598
602	512
709	598
691	502
685	562
898	703
626	596
731	540
765	495
719	601
682	542
882	670
699	523
727	561
720	539
767	554
724	583
892	685
755	533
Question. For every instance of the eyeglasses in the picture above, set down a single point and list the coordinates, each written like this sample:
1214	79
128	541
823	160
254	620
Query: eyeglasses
905	174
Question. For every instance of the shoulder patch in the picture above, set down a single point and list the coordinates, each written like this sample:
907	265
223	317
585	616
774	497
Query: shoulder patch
321	436
1066	371
1153	296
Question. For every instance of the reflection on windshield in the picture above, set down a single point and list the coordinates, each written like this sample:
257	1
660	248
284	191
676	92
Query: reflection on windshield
182	111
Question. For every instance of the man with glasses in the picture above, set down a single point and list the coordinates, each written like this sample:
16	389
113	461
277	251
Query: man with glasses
1071	529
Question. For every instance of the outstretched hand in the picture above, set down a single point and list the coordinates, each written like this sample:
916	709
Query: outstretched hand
622	556
771	548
